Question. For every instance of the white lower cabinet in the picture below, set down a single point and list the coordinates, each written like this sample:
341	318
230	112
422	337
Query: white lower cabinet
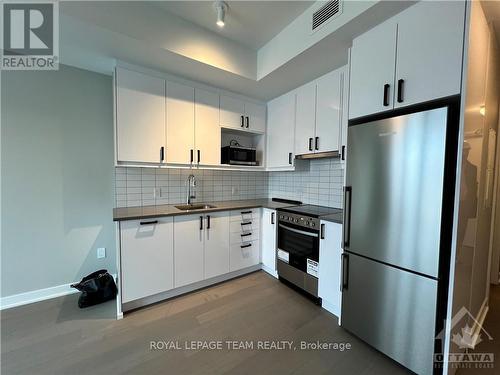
244	235
147	257
269	241
216	244
188	249
245	254
330	250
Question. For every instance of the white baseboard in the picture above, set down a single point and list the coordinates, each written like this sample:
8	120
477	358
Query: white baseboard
37	295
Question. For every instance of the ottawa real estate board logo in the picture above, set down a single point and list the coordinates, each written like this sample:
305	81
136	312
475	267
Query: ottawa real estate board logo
30	35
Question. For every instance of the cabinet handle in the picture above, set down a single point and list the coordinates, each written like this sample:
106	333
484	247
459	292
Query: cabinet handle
386	94
290	158
272	217
401	83
247	245
345	272
246	234
322	231
162	153
347	216
149	222
245	212
208	221
343	152
199	156
242	121
316	143
248	122
310	144
249	223
191	156
201	222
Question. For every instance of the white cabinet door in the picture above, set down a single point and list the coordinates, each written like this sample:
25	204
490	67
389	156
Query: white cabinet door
232	112
255	117
373	56
140	117
216	244
147	257
330	266
207	128
244	255
328	111
180	123
429	53
345	114
188	249
305	119
281	131
269	241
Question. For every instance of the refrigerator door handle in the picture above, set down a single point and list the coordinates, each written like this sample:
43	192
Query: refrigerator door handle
344	284
347	215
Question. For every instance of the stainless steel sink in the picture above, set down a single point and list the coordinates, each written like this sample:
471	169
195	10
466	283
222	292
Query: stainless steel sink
196	206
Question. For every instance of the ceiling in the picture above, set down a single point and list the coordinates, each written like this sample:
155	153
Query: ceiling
249	23
491	10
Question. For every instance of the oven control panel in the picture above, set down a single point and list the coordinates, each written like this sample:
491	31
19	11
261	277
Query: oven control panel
300	220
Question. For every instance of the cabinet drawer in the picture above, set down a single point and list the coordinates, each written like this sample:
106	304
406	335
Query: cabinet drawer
244	255
238	238
245	215
245	226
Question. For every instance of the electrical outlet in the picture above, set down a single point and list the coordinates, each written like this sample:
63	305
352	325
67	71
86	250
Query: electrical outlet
101	252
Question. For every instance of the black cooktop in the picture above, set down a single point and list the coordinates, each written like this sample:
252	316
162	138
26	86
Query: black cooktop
311	210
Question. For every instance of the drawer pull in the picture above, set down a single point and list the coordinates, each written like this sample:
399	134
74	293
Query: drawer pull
248	223
246	212
246	234
148	222
247	245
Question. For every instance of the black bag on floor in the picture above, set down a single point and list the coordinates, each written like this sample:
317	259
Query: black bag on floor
96	288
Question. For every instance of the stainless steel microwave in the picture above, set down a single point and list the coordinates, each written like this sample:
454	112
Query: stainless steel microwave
238	155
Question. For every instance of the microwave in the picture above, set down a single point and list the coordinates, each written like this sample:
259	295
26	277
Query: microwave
238	155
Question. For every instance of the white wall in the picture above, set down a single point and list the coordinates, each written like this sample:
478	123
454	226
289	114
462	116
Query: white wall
57	177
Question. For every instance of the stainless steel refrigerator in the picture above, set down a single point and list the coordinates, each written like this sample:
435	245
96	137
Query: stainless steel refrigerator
393	234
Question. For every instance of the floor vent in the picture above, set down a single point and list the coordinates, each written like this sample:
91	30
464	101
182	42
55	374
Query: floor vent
328	11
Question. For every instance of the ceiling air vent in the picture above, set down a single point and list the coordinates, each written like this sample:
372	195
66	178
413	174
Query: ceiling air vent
327	12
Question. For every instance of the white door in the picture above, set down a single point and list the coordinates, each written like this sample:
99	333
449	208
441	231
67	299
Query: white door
429	54
207	128
140	117
330	266
189	233
255	117
216	244
232	112
180	123
344	116
373	57
305	119
269	241
147	257
328	111
281	131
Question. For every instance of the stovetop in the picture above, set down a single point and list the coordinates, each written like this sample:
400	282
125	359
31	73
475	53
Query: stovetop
311	210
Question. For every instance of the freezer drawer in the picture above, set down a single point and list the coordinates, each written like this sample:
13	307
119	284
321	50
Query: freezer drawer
392	310
395	171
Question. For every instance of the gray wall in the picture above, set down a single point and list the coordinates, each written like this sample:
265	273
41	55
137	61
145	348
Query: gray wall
57	177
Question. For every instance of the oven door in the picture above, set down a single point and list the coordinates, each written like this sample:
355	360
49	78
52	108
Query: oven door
296	245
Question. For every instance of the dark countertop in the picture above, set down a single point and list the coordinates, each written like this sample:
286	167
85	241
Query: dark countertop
145	212
334	218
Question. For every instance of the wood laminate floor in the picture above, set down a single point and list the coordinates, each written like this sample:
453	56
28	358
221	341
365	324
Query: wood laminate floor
56	337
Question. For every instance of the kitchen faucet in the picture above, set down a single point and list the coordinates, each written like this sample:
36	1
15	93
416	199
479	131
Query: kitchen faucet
191	186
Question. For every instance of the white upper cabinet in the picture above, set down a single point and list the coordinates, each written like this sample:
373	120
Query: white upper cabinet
281	131
373	57
207	129
216	244
429	53
140	117
255	117
242	115
328	112
305	119
427	65
180	123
